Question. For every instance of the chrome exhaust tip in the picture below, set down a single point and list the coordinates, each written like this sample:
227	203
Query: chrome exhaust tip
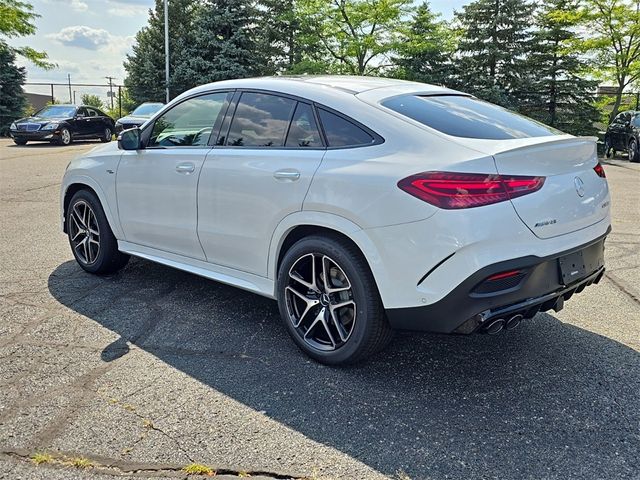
513	322
495	326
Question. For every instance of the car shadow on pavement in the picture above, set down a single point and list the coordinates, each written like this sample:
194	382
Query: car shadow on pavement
547	400
53	145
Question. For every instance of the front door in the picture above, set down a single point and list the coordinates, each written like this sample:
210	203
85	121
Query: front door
257	176
156	186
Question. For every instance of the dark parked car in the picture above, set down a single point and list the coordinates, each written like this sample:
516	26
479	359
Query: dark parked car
62	124
623	135
141	114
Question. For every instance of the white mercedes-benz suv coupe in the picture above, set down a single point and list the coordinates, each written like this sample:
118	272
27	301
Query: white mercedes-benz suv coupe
362	205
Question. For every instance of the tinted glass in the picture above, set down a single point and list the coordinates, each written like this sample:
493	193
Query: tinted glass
147	109
468	117
341	132
303	131
636	121
189	123
56	111
260	120
92	112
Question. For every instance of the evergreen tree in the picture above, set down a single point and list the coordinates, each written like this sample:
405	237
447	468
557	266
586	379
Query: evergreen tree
12	77
558	96
278	39
146	65
427	52
222	44
494	44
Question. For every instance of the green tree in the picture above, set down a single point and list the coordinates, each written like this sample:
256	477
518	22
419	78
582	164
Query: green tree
356	36
613	34
16	20
426	52
92	100
12	77
124	103
493	48
559	95
145	66
278	40
222	45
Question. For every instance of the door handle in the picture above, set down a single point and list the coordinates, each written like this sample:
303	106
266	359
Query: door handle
288	175
185	168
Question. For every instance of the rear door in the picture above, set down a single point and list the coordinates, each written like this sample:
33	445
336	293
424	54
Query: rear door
268	151
95	122
81	125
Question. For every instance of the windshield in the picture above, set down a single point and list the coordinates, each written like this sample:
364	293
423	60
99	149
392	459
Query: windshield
468	117
56	111
147	109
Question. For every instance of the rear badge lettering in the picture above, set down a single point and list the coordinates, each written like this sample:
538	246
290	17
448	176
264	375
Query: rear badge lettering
544	223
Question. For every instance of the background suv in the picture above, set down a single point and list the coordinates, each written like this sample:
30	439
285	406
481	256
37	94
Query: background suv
623	135
361	204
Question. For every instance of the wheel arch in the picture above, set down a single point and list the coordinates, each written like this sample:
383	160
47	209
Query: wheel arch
72	186
303	224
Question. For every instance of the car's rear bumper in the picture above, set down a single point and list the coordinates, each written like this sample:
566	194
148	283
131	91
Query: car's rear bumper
473	304
45	135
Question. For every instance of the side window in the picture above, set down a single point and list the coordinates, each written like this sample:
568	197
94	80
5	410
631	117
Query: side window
260	120
82	112
92	112
189	123
636	121
341	132
303	131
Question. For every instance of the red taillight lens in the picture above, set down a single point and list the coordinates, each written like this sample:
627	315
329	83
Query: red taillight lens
450	190
599	169
500	276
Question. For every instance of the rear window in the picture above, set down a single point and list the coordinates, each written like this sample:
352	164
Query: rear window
467	117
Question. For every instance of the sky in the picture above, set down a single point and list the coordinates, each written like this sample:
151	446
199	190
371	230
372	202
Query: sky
88	39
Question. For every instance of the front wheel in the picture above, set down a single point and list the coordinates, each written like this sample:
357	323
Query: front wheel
634	154
329	301
93	244
107	135
608	151
65	137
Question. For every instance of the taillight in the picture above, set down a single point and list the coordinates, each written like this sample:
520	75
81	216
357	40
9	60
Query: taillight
451	190
599	169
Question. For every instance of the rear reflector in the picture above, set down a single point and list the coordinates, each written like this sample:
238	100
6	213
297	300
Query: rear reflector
499	276
599	169
451	190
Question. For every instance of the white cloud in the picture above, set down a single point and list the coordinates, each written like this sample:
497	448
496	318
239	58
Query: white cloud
75	5
82	36
127	9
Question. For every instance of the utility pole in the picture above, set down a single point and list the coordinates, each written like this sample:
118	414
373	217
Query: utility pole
166	46
74	97
69	80
110	90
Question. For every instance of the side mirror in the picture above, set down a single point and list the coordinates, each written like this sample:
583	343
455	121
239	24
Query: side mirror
129	139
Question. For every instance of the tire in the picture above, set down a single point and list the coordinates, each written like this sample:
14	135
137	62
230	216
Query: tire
65	137
107	135
608	151
19	141
101	255
312	318
634	154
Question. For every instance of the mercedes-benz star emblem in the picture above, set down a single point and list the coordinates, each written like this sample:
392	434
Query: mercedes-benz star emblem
579	184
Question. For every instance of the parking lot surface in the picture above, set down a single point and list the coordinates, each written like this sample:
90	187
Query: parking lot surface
149	370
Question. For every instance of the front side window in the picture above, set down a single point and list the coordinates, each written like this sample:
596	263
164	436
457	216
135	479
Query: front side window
467	117
189	123
260	120
340	132
303	131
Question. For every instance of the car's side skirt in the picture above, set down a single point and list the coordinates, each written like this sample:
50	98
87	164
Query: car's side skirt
246	281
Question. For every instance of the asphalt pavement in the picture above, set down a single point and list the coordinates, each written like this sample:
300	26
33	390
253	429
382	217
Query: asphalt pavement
150	370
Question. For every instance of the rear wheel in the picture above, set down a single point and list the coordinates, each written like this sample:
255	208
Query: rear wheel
634	154
19	141
107	135
329	301
92	242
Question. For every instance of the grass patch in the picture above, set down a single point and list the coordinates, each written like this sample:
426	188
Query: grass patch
198	469
39	458
80	462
